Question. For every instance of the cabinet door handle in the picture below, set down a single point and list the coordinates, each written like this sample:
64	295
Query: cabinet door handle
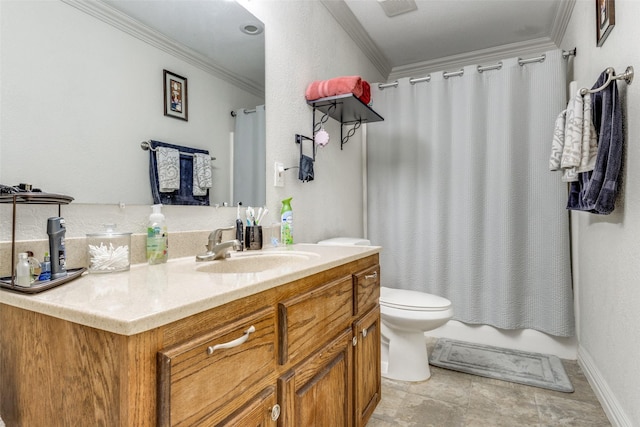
364	333
234	343
275	412
371	276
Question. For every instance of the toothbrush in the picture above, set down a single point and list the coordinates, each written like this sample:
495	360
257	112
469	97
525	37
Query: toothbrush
239	225
258	217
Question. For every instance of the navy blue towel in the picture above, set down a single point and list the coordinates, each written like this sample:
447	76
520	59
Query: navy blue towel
596	191
183	196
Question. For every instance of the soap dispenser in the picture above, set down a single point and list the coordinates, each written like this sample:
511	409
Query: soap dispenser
157	238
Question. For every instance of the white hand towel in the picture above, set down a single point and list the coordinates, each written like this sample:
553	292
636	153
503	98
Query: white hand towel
201	174
168	163
557	145
589	139
571	154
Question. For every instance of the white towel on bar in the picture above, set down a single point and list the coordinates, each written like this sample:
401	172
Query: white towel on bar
202	179
168	163
575	143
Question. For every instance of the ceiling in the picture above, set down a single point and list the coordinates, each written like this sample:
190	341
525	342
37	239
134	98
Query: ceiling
442	33
209	30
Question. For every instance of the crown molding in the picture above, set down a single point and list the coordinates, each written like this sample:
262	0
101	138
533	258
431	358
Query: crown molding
483	57
123	22
348	21
561	21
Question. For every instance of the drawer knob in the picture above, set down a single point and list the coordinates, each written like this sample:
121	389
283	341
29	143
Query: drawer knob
371	276
234	343
275	412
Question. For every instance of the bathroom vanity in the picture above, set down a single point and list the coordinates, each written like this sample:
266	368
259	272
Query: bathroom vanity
290	339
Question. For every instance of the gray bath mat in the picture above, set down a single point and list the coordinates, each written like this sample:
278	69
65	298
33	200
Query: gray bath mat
534	369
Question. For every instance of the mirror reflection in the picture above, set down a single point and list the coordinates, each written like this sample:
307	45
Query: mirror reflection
78	99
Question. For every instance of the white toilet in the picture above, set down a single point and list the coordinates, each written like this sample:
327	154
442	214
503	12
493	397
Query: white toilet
406	316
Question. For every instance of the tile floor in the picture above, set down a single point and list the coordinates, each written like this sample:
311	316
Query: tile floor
454	399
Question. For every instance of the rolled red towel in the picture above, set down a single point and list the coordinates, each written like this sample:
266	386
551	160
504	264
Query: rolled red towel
336	86
366	92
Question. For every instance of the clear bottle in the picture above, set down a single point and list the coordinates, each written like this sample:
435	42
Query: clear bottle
45	274
286	222
23	270
157	237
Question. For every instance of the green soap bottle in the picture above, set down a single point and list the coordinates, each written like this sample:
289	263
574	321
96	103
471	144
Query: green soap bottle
157	237
286	222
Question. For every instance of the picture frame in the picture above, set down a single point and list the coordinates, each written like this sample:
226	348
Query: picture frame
175	96
605	19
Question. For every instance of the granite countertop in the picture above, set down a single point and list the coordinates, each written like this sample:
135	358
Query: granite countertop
149	296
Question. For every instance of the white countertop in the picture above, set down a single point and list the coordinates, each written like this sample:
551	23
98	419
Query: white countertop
149	296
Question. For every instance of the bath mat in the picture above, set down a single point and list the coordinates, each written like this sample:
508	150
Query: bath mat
533	369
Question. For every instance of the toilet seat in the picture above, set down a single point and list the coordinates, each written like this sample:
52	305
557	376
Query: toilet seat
412	300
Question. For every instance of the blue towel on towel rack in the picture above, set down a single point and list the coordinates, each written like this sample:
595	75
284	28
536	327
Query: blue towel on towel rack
183	195
596	191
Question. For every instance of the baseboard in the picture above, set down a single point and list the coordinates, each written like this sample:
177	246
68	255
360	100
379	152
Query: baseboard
607	399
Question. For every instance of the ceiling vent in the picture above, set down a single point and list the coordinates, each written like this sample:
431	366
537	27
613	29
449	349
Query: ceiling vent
397	7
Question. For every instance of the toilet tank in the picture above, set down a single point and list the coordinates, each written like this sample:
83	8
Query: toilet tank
345	241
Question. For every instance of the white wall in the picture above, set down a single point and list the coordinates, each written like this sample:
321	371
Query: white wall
606	249
304	43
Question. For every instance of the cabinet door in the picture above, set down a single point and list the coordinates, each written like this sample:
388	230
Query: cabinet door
366	290
317	392
204	380
259	412
367	380
309	320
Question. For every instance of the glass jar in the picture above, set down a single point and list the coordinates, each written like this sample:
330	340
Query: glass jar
109	251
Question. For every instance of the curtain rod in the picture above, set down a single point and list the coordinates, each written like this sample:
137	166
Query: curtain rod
235	113
565	54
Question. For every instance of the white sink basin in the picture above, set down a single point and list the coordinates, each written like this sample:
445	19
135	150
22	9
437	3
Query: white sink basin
248	262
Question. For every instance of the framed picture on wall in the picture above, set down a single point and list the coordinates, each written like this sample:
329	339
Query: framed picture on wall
605	19
175	96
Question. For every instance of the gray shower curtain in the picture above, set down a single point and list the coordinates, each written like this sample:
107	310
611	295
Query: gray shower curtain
249	157
461	198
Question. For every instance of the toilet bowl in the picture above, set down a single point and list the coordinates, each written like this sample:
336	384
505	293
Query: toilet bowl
406	316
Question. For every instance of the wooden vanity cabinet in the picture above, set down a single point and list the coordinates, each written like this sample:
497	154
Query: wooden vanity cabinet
313	359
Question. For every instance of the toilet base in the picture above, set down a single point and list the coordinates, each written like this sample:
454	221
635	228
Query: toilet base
404	356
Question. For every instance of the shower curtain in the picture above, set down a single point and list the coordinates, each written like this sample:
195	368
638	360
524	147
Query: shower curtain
249	162
461	198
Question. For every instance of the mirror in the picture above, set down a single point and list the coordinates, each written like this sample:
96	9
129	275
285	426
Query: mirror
78	99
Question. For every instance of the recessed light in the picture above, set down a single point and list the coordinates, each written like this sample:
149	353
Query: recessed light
252	29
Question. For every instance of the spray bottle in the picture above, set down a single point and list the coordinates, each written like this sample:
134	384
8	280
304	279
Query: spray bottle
286	222
157	238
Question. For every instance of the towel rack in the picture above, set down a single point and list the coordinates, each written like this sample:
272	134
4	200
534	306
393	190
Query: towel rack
611	76
146	146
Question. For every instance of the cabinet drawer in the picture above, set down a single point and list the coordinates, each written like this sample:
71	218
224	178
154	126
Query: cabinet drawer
311	319
203	379
366	289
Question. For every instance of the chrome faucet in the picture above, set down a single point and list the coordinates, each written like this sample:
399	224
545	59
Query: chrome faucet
216	248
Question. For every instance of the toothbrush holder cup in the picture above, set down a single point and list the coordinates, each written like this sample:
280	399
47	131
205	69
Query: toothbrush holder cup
253	237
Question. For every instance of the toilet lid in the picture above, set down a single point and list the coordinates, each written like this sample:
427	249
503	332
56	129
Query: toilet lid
412	300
